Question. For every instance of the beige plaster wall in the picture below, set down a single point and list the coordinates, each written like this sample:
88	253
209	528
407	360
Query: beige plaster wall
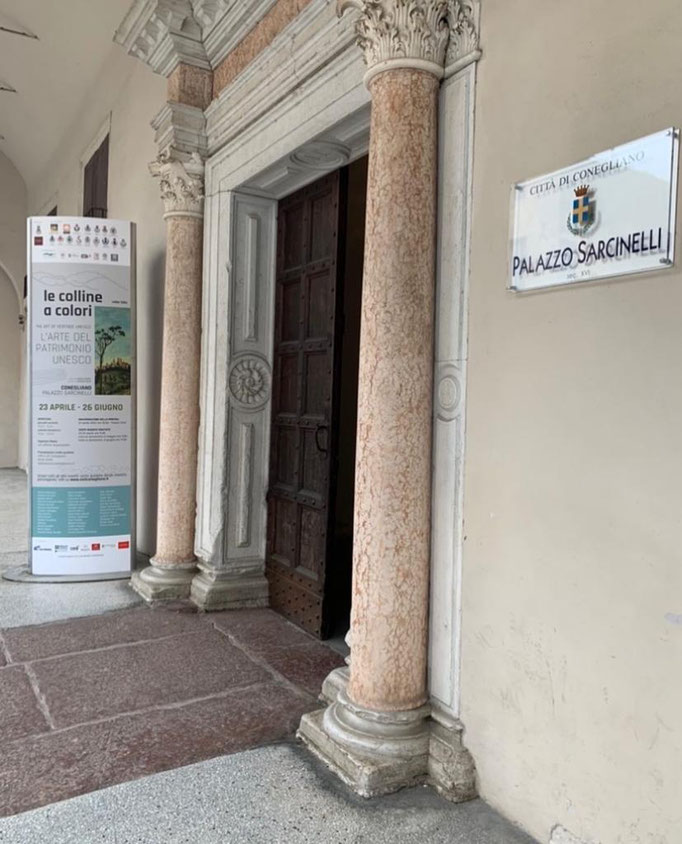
572	625
12	271
10	352
131	94
12	223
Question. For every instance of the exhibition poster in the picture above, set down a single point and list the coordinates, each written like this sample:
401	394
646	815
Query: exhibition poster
82	383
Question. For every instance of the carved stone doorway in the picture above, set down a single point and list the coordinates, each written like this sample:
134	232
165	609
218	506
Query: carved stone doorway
320	242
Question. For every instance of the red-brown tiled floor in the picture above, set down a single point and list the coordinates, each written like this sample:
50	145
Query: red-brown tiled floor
100	700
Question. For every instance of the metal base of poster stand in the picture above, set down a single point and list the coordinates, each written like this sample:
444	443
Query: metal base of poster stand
22	574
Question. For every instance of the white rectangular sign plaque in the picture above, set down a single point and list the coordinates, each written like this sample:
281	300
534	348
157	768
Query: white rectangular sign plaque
82	384
610	215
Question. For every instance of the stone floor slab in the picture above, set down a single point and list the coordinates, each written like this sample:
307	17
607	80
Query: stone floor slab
98	684
41	770
272	794
306	666
261	629
25	644
20	714
293	653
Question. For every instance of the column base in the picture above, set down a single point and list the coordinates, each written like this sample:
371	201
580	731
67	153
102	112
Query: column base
372	752
155	583
445	764
214	589
451	767
334	682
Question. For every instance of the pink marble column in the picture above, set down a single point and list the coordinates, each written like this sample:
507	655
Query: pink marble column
173	565
393	464
375	732
180	393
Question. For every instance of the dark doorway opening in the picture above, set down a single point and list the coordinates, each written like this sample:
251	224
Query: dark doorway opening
320	245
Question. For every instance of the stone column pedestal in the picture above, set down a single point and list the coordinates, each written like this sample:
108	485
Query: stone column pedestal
173	565
221	589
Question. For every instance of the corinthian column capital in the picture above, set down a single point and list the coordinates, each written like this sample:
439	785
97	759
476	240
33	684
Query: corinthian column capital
421	34
181	184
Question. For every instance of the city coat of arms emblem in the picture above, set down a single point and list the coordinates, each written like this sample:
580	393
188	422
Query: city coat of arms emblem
582	215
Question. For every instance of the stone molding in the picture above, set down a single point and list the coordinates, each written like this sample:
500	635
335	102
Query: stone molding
455	192
165	33
236	379
180	131
234	27
448	391
421	34
312	53
321	156
181	184
427	34
201	33
451	768
207	12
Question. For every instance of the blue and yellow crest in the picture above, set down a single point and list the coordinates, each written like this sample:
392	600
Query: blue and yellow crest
582	214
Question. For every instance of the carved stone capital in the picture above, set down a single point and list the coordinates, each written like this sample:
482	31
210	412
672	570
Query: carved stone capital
422	34
164	33
181	184
463	46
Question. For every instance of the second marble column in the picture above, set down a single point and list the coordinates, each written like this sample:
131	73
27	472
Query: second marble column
173	565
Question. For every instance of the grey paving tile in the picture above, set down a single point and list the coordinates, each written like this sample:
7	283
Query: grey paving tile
38	603
271	795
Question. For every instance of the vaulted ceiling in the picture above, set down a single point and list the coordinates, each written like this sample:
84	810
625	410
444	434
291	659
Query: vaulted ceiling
51	74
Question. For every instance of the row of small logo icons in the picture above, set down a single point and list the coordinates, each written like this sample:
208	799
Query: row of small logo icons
67	228
84	256
39	240
123	545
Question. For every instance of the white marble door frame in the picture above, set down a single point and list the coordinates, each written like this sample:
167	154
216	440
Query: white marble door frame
258	155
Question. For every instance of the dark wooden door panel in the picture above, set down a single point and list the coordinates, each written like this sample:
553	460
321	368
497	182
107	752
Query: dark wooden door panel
303	423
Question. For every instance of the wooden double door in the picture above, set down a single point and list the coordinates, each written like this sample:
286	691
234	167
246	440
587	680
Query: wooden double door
308	556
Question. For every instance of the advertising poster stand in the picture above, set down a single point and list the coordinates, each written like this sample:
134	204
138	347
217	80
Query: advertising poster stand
82	386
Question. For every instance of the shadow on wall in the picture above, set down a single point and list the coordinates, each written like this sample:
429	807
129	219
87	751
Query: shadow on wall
11	338
150	287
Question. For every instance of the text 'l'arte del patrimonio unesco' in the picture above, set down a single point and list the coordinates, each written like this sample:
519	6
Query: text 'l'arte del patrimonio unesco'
611	215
